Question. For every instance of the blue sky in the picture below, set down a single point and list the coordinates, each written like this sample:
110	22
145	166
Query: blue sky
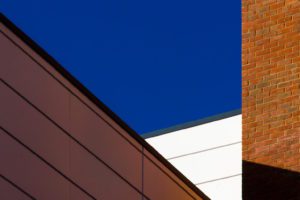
155	63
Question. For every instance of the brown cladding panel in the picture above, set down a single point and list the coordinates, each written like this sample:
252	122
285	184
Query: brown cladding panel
165	172
10	192
33	129
31	81
36	84
109	121
37	132
96	178
102	138
106	143
77	194
28	172
157	185
49	70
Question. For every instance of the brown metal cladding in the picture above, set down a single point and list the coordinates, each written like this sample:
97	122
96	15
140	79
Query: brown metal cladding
29	79
56	147
56	76
9	191
28	172
33	129
57	141
97	178
77	194
86	126
167	188
156	172
105	142
32	174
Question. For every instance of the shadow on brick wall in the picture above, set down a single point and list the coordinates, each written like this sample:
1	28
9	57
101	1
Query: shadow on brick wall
261	182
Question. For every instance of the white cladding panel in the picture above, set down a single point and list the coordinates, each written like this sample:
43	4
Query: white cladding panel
209	155
197	138
225	189
211	165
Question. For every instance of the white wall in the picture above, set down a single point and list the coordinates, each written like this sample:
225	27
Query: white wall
210	155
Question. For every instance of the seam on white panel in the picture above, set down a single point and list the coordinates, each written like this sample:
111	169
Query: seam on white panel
201	151
218	179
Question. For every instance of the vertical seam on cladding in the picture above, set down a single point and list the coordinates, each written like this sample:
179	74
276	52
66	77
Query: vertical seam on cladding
94	155
143	172
46	162
69	135
68	89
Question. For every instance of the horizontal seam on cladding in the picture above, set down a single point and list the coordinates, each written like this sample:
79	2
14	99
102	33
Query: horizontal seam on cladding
69	135
68	89
205	150
74	139
87	105
17	187
46	162
41	53
218	179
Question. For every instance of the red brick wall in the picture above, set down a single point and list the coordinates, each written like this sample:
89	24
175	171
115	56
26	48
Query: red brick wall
271	83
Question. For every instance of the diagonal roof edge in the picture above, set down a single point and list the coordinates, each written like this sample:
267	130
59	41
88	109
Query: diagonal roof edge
192	123
59	68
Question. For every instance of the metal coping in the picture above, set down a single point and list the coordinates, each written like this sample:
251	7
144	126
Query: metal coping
59	68
192	123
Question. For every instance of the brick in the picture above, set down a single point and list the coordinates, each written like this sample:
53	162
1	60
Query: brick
271	83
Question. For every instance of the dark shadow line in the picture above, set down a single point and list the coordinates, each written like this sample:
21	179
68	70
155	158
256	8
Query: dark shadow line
35	47
169	166
163	171
84	147
74	139
46	162
79	98
68	89
17	187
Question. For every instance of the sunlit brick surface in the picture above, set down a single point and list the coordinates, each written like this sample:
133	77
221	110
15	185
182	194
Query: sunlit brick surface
271	82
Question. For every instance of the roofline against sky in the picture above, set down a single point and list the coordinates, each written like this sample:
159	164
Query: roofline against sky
192	123
59	68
